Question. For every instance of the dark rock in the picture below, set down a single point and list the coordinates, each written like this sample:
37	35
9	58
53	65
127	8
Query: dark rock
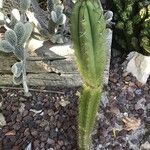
44	136
34	133
27	132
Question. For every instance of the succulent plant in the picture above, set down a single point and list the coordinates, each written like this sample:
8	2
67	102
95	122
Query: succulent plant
56	18
15	41
131	32
17	11
88	30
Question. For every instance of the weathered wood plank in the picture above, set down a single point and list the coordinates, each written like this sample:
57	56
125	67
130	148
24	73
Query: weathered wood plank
47	64
53	79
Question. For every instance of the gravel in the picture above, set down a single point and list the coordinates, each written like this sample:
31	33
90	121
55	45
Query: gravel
48	124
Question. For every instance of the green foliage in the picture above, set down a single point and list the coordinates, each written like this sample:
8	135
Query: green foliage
132	29
88	30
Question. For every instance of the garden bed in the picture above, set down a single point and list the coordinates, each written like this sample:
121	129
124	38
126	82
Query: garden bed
47	120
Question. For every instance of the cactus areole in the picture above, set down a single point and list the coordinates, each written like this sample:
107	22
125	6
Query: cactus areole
88	30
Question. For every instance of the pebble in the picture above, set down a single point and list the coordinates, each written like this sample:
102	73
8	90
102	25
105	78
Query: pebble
50	141
27	132
34	133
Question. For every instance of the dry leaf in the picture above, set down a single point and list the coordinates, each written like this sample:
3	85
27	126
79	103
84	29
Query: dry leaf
131	123
10	133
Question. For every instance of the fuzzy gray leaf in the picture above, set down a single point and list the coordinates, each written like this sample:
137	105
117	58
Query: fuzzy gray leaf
17	69
5	46
1	19
19	52
24	5
50	5
11	37
58	9
1	4
20	32
62	19
15	17
54	16
28	31
17	80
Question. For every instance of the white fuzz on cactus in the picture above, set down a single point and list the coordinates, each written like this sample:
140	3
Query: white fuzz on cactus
15	41
24	5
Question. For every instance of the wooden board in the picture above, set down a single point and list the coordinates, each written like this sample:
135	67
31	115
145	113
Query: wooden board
46	65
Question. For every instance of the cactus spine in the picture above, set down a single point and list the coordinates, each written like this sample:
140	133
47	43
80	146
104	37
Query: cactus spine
88	30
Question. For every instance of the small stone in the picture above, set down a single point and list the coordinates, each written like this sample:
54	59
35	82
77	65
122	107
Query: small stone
52	118
130	96
21	99
2	120
138	84
113	80
19	118
50	141
50	112
138	91
25	113
42	144
47	128
34	133
16	126
127	78
60	142
22	107
27	132
44	136
58	124
36	144
44	123
28	119
145	146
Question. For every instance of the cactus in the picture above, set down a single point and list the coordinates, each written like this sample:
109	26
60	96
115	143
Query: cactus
88	30
132	29
56	18
17	11
15	41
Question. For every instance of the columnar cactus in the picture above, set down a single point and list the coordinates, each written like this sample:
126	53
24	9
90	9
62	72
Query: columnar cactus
15	41
132	27
88	30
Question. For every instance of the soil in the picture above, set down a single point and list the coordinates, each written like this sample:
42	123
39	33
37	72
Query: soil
47	121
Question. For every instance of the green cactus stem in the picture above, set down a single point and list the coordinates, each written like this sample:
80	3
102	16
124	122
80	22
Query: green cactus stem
88	30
